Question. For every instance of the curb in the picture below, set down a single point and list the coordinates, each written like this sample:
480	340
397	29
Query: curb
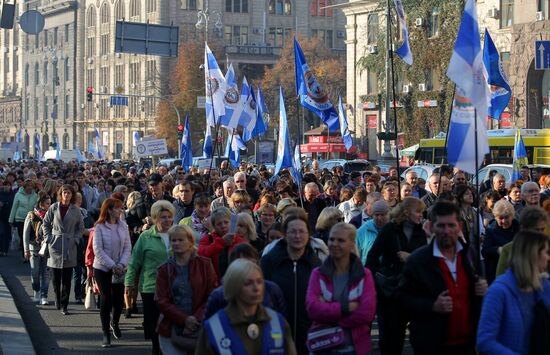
14	338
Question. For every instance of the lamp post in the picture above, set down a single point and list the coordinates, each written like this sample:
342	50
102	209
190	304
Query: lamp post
205	16
55	83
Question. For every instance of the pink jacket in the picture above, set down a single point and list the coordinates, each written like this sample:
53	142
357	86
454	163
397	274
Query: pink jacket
322	308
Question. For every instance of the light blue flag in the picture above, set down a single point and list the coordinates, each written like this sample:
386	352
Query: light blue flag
256	126
186	147
312	95
136	138
57	150
230	100
261	126
214	86
207	146
246	108
472	96
17	153
262	108
500	89
295	171
37	150
99	150
520	156
285	157
79	156
233	149
404	52
91	149
346	134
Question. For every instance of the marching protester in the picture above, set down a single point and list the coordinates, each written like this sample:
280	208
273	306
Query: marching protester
23	203
199	220
112	248
6	200
328	218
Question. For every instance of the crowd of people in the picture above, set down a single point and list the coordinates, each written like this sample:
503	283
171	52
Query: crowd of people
241	262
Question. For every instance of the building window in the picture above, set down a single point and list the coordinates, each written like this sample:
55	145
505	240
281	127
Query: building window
506	13
191	4
372	83
236	6
433	25
151	6
46	73
36	74
90	19
325	36
36	108
119	10
135	9
321	8
36	41
278	36
67	107
236	35
105	43
45	38
119	80
67	32
505	60
372	29
280	7
45	108
55	32
66	65
27	74
104	14
90	46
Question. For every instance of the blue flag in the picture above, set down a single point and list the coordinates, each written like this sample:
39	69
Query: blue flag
57	150
500	89
79	156
262	108
472	96
233	149
186	147
136	138
261	126
285	157
207	146
37	150
99	150
17	153
520	156
312	95
91	149
346	134
295	171
404	52
231	100
247	108
214	86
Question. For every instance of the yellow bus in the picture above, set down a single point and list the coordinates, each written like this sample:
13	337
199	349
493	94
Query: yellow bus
501	145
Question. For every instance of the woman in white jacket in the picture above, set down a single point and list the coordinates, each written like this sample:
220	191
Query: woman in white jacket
112	250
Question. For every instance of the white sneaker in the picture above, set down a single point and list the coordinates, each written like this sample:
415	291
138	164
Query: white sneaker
36	296
44	302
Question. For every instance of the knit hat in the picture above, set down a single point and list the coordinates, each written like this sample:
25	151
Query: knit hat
380	206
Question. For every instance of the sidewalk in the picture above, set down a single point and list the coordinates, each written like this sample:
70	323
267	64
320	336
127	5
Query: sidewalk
14	339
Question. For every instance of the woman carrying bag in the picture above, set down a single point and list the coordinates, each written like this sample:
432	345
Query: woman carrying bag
63	227
112	248
183	286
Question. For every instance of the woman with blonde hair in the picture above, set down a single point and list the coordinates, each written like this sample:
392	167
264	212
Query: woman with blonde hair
247	230
150	251
245	326
182	289
328	217
391	249
507	318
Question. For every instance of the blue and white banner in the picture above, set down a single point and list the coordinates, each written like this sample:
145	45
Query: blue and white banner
98	149
37	149
79	156
233	148
214	85
500	89
312	95
91	149
186	147
17	154
295	171
207	146
247	108
404	52
285	158
472	96
346	134
262	108
231	98
136	138
519	156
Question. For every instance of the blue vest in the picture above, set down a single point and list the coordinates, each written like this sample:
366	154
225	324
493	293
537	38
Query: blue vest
225	341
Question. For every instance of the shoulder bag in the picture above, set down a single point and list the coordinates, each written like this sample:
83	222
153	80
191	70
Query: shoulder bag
386	279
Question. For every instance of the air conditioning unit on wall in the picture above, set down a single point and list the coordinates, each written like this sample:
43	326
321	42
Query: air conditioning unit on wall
406	89
419	22
372	49
492	13
422	87
539	16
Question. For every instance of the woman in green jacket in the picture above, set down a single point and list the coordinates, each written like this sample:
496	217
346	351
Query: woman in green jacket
23	203
150	251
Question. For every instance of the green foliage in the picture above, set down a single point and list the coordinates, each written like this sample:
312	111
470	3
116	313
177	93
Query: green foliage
429	53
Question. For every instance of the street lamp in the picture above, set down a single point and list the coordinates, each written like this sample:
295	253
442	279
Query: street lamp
205	16
55	82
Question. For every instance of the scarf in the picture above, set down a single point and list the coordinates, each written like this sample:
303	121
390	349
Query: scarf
40	213
196	224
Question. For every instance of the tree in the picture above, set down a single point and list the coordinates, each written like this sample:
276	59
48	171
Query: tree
185	84
329	69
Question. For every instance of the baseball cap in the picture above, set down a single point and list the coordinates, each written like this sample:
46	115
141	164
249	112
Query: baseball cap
154	179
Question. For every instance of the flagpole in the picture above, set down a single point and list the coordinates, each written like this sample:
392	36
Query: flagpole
394	107
217	125
300	122
477	240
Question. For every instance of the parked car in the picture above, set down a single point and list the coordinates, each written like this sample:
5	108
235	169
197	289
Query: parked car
170	161
423	171
348	165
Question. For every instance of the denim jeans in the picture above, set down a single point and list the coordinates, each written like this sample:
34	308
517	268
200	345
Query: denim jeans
78	283
40	274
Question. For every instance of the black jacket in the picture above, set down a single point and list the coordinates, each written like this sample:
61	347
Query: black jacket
383	253
496	237
313	210
293	279
420	285
142	209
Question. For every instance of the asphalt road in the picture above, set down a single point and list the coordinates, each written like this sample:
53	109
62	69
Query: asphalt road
77	333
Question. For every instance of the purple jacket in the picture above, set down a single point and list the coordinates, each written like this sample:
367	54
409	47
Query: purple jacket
322	308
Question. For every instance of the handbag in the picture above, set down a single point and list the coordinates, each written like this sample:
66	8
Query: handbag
324	337
386	279
44	251
89	302
540	342
14	239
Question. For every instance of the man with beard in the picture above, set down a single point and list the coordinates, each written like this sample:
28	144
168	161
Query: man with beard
440	289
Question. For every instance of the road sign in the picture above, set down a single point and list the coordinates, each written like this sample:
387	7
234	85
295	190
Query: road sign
32	22
146	38
119	100
542	55
151	147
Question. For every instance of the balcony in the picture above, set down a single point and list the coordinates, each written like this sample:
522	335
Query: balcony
253	50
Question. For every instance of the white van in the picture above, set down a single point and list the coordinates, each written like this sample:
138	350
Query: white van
64	155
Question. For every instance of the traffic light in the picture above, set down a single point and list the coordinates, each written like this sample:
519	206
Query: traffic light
180	131
89	94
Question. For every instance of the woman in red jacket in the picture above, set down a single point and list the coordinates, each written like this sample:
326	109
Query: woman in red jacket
219	243
183	286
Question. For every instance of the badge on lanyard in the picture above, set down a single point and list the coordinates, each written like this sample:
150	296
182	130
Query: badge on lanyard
253	331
